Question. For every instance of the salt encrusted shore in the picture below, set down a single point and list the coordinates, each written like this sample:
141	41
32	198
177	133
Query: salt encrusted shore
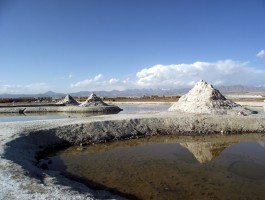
20	178
68	104
72	109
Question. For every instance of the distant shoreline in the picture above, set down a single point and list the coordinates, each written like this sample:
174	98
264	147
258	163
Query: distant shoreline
140	99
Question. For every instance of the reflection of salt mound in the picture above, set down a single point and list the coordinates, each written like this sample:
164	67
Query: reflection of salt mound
68	101
93	100
205	151
261	143
204	98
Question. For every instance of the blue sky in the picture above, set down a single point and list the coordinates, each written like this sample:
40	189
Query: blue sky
68	45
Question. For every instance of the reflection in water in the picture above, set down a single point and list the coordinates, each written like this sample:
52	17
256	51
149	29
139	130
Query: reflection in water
13	117
170	167
262	144
127	108
143	107
205	151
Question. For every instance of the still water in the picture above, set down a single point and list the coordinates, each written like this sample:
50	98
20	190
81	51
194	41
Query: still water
143	107
28	117
127	108
170	167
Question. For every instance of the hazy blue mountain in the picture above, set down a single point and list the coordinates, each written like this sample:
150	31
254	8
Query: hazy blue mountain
139	92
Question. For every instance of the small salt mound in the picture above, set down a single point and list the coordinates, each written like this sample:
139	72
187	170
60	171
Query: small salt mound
68	101
93	100
204	98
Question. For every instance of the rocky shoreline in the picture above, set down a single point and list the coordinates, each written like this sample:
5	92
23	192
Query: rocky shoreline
20	178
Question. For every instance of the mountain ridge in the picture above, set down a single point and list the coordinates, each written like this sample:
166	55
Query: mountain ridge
139	92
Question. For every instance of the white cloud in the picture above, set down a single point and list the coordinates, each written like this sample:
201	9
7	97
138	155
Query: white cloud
97	77
88	84
261	54
183	75
223	72
94	84
24	89
82	84
113	80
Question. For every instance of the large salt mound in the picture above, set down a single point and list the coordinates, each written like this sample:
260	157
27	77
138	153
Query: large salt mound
93	100
204	98
68	101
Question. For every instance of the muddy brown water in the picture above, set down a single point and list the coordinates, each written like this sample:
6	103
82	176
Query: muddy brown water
170	167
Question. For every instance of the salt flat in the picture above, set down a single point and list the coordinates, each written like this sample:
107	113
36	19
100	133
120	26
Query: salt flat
20	178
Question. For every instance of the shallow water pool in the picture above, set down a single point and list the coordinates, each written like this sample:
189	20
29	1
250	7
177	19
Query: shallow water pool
170	167
127	108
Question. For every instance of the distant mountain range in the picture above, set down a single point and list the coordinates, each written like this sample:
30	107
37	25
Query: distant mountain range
141	92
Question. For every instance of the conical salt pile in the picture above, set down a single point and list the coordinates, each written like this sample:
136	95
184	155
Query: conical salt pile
204	98
68	100
93	100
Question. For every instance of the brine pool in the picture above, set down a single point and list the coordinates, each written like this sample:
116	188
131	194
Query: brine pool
168	167
127	109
